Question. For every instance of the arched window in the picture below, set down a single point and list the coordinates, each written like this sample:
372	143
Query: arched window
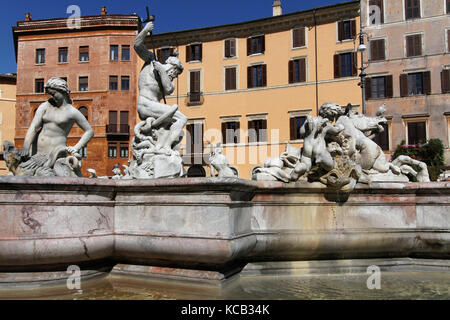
84	112
196	171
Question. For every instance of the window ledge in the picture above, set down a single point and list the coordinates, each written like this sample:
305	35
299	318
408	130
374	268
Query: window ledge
195	61
63	63
39	64
83	61
299	48
256	54
345	41
230	58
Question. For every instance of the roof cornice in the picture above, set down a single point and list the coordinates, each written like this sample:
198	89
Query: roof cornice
308	18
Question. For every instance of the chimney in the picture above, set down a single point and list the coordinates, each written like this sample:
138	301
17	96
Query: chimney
27	16
277	8
104	11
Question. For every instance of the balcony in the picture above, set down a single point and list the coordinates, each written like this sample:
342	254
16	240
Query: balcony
117	131
195	98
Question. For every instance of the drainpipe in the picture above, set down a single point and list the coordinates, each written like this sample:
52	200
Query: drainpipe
316	67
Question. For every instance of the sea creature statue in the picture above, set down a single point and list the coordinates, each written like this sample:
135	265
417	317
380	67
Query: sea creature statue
339	152
219	162
117	172
44	152
155	145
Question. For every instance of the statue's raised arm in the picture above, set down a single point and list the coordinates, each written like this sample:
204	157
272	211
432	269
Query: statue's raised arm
139	43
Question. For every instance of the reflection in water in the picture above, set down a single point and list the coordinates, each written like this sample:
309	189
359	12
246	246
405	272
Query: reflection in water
394	285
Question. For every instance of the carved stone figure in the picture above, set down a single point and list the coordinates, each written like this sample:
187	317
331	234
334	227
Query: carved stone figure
219	162
117	172
339	152
155	145
44	152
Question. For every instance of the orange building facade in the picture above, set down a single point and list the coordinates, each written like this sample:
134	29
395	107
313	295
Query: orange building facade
250	85
7	113
99	63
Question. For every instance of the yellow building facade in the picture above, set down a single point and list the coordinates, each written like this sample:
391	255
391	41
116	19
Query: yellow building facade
7	113
283	68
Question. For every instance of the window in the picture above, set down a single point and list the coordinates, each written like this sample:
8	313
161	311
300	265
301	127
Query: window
379	87
230	132
382	138
113	83
83	152
445	81
83	83
194	94
257	76
84	54
414	45
124	127
124	151
412	9
230	78
298	37
346	30
256	45
39	85
194	52
164	53
112	123
417	132
125	53
295	124
112	150
194	138
230	48
373	14
377	50
257	130
297	70
125	83
62	55
40	56
448	6
415	84
84	112
345	65
114	52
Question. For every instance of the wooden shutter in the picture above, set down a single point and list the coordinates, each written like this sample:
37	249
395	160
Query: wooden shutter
112	117
445	81
200	52
195	81
298	36
448	32
293	128
353	28
302	67
263	133
389	86
340	30
337	66
409	46
354	62
264	75
188	53
230	78
251	132
404	85
291	71
233	79
368	87
123	117
418	45
227	49
249	77
427	82
249	46
238	132
189	138
224	133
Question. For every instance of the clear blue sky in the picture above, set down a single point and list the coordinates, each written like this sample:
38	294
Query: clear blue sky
171	15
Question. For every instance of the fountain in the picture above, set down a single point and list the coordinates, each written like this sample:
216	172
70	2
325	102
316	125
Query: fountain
336	206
